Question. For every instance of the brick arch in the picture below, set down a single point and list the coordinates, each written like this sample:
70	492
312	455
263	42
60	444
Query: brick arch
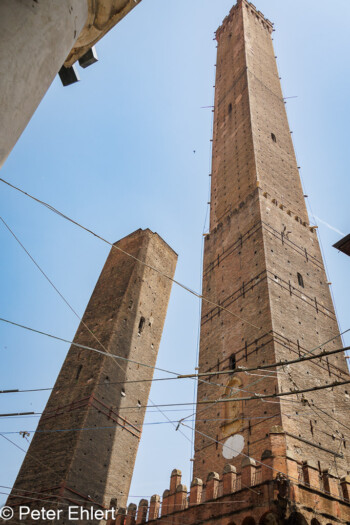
314	521
249	520
296	519
269	518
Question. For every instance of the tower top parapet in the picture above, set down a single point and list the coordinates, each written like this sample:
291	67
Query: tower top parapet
254	10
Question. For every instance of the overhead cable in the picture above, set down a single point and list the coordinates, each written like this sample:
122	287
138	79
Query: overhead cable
272	365
160	272
178	376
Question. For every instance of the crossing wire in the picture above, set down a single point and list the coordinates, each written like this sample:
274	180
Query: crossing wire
255	397
178	376
65	300
179	284
160	272
106	351
108	354
55	288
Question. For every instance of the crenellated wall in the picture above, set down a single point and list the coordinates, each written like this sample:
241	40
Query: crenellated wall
277	489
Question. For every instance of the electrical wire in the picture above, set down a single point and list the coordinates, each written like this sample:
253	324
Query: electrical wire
313	408
247	456
27	453
272	365
198	295
108	354
178	376
84	347
303	410
61	295
106	351
256	397
183	286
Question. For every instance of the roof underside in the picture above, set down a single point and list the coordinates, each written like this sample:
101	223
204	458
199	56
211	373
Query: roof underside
343	245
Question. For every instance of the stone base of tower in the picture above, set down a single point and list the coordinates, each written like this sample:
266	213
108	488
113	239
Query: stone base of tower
274	491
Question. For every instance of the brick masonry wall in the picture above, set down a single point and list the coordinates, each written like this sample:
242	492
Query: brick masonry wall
258	496
125	317
260	240
293	466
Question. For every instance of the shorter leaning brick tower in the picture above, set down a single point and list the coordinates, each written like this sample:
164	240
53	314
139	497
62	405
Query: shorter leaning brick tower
261	457
92	462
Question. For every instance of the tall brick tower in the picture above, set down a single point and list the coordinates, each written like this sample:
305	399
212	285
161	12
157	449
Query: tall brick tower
262	262
284	459
90	460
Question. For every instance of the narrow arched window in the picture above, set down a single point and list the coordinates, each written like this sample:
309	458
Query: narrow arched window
300	280
141	325
273	136
230	108
232	362
80	367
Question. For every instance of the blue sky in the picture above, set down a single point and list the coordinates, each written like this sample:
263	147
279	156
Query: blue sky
115	152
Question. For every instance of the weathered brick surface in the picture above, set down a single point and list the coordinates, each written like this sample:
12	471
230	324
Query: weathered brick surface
125	317
295	458
260	240
266	500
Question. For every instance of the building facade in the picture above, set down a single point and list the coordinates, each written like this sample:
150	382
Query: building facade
36	40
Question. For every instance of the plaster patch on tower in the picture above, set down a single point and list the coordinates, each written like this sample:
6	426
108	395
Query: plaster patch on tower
233	446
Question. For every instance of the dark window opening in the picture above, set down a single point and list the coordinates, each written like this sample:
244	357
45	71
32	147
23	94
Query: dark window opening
141	325
80	367
300	280
306	474
230	108
273	136
232	362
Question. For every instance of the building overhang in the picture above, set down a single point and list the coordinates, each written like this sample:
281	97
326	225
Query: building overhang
103	15
343	245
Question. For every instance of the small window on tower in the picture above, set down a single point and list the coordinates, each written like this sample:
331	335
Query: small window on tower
230	108
232	362
300	280
80	367
141	325
273	136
